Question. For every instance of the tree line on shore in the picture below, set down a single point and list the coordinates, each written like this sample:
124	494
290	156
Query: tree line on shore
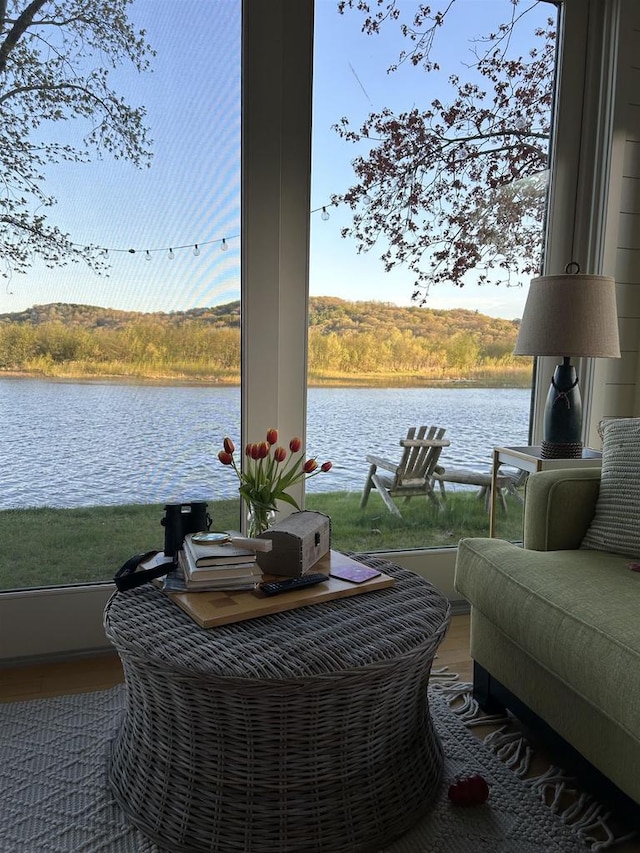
345	339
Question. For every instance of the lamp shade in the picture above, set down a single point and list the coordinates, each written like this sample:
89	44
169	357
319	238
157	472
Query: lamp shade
569	315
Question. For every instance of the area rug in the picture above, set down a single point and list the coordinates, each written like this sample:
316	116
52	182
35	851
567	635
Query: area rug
55	797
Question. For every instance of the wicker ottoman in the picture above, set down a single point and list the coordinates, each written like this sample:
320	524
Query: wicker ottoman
304	731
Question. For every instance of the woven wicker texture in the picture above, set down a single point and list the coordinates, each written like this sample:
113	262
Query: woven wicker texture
307	730
615	523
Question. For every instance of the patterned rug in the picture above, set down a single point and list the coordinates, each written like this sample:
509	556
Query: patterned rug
55	797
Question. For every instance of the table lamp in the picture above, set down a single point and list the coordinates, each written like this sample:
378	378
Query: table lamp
568	315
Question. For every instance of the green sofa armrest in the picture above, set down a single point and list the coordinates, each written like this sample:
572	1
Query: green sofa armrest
559	505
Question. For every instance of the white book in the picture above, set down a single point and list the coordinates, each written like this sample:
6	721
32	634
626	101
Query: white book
175	582
225	571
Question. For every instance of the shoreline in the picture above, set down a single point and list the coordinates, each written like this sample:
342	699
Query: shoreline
361	381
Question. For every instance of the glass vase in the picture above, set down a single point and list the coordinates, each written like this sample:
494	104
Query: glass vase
259	519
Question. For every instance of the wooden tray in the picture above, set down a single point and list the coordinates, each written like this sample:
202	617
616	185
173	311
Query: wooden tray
210	609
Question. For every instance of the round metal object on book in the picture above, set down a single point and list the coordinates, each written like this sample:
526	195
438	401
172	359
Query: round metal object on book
210	538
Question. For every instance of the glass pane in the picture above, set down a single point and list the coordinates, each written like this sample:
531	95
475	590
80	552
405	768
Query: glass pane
430	167
116	386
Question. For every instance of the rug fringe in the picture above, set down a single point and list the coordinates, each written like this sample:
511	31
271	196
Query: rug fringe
586	816
512	749
590	820
459	697
442	673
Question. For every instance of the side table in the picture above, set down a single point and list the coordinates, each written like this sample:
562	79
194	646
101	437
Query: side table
307	730
530	459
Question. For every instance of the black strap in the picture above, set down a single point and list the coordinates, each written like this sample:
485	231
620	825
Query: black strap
128	576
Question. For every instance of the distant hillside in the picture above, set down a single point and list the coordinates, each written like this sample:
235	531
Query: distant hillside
94	317
330	314
349	343
326	314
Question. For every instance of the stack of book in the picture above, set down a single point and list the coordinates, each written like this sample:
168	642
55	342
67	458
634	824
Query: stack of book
213	567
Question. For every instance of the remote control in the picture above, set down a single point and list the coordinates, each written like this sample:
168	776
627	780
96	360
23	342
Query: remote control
276	587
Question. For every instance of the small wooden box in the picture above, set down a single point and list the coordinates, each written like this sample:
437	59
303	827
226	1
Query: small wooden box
299	541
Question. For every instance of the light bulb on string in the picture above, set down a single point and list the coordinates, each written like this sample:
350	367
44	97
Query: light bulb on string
324	215
224	245
171	256
196	250
147	256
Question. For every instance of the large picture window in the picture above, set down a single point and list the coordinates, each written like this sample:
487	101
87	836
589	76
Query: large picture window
116	385
431	148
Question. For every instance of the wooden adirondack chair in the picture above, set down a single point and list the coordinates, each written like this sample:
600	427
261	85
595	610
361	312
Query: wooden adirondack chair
412	475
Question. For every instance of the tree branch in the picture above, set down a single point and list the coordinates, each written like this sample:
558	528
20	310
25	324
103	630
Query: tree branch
23	22
50	87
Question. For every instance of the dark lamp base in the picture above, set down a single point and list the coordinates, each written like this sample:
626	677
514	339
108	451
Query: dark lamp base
552	450
562	425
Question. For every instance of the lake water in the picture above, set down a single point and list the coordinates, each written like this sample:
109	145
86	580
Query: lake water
80	444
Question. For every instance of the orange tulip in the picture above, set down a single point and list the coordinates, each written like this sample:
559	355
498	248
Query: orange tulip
272	436
264	483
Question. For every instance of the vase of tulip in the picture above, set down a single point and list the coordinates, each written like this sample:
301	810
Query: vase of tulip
259	519
269	470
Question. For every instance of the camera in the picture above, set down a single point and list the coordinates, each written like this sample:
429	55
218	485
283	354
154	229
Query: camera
180	519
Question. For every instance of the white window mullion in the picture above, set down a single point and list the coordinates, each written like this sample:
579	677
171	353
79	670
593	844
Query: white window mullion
276	199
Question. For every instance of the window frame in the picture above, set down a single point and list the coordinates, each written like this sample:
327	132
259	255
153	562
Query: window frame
277	75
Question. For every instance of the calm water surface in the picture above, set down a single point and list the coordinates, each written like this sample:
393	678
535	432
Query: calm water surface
77	444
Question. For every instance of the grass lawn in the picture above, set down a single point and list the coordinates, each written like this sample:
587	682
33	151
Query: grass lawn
51	547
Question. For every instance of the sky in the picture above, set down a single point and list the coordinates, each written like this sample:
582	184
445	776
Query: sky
190	195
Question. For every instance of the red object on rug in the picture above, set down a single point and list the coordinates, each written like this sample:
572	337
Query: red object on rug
469	790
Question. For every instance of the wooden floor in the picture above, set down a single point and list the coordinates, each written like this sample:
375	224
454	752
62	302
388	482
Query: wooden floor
41	680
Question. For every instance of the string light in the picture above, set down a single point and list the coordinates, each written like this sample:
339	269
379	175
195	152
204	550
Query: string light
195	247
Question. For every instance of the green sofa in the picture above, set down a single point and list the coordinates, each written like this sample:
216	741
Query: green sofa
558	626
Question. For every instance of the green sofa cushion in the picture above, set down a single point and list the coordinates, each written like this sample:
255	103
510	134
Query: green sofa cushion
555	606
559	507
616	523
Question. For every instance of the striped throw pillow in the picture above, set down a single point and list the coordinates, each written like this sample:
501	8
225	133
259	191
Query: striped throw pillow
616	524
